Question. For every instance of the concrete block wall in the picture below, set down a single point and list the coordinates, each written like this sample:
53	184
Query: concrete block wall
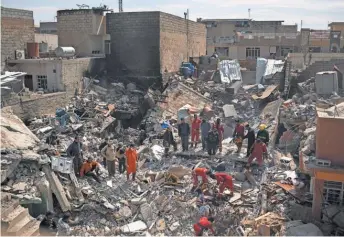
46	104
134	43
179	39
320	66
17	29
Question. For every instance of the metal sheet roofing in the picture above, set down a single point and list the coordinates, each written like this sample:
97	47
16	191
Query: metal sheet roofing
10	76
229	71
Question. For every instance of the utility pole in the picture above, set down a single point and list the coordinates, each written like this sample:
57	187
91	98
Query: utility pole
120	6
186	14
249	13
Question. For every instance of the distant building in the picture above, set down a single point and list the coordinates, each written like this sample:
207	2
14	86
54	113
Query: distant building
84	30
47	28
17	29
152	43
245	38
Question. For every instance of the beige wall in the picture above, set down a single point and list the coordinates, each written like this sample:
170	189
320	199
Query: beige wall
50	39
297	59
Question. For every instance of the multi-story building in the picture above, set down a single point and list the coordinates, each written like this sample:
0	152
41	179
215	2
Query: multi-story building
17	29
327	170
246	38
152	43
47	28
84	30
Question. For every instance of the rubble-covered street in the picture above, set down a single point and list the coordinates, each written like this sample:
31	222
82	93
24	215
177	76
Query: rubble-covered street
273	200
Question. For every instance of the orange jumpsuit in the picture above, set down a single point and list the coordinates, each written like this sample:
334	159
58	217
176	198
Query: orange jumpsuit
195	130
131	155
203	224
199	172
225	181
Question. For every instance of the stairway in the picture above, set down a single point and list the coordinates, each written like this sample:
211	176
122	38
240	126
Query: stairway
15	219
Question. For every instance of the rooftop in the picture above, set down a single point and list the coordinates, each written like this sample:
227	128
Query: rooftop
336	23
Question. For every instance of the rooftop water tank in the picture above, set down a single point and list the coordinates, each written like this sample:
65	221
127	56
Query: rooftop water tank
64	52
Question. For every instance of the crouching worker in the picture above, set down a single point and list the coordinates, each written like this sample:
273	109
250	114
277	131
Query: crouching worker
200	175
203	224
224	181
90	168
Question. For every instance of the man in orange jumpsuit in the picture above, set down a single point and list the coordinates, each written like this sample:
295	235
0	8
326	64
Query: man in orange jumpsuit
203	224
198	174
238	134
88	168
132	159
195	130
258	152
224	180
220	129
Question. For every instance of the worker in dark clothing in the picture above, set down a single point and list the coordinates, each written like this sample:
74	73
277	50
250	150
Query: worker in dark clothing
281	129
263	134
213	141
250	136
75	150
48	220
169	140
52	139
184	133
101	146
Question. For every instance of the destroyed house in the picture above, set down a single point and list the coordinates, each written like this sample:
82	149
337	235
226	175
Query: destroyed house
327	169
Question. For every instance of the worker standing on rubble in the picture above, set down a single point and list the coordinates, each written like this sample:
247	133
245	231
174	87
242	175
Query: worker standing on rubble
195	130
200	175
120	155
258	151
224	180
169	140
238	134
75	150
213	141
101	146
250	136
184	133
263	134
203	224
132	158
220	129
90	168
108	152
205	128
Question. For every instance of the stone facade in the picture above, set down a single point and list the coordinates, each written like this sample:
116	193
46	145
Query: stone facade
17	29
83	29
152	43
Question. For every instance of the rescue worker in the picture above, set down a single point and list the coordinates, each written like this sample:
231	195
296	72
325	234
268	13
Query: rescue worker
75	150
238	134
281	129
258	152
108	152
200	174
213	141
169	140
205	128
184	133
88	169
52	139
203	224
120	154
263	134
250	136
48	220
132	158
101	146
195	130
224	180
220	129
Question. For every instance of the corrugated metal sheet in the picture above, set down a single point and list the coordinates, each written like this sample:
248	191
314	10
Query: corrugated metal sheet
267	68
10	76
229	71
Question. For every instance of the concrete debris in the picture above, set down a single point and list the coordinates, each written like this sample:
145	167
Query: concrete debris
160	201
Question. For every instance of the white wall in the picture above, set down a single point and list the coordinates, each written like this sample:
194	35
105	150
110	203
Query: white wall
42	67
50	39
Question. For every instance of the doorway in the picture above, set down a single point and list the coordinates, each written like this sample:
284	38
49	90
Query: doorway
28	82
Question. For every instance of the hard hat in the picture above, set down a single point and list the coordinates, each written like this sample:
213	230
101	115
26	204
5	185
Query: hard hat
262	127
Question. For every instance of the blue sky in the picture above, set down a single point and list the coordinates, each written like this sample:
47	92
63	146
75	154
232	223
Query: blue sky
315	14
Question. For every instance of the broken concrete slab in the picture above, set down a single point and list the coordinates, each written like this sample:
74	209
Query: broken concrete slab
239	176
229	111
138	201
304	230
133	227
146	212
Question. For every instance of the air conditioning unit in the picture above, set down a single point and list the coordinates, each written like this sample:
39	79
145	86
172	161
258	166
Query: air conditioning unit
20	54
324	163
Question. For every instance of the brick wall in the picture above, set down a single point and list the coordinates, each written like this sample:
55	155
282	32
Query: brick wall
17	29
46	104
134	43
178	39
